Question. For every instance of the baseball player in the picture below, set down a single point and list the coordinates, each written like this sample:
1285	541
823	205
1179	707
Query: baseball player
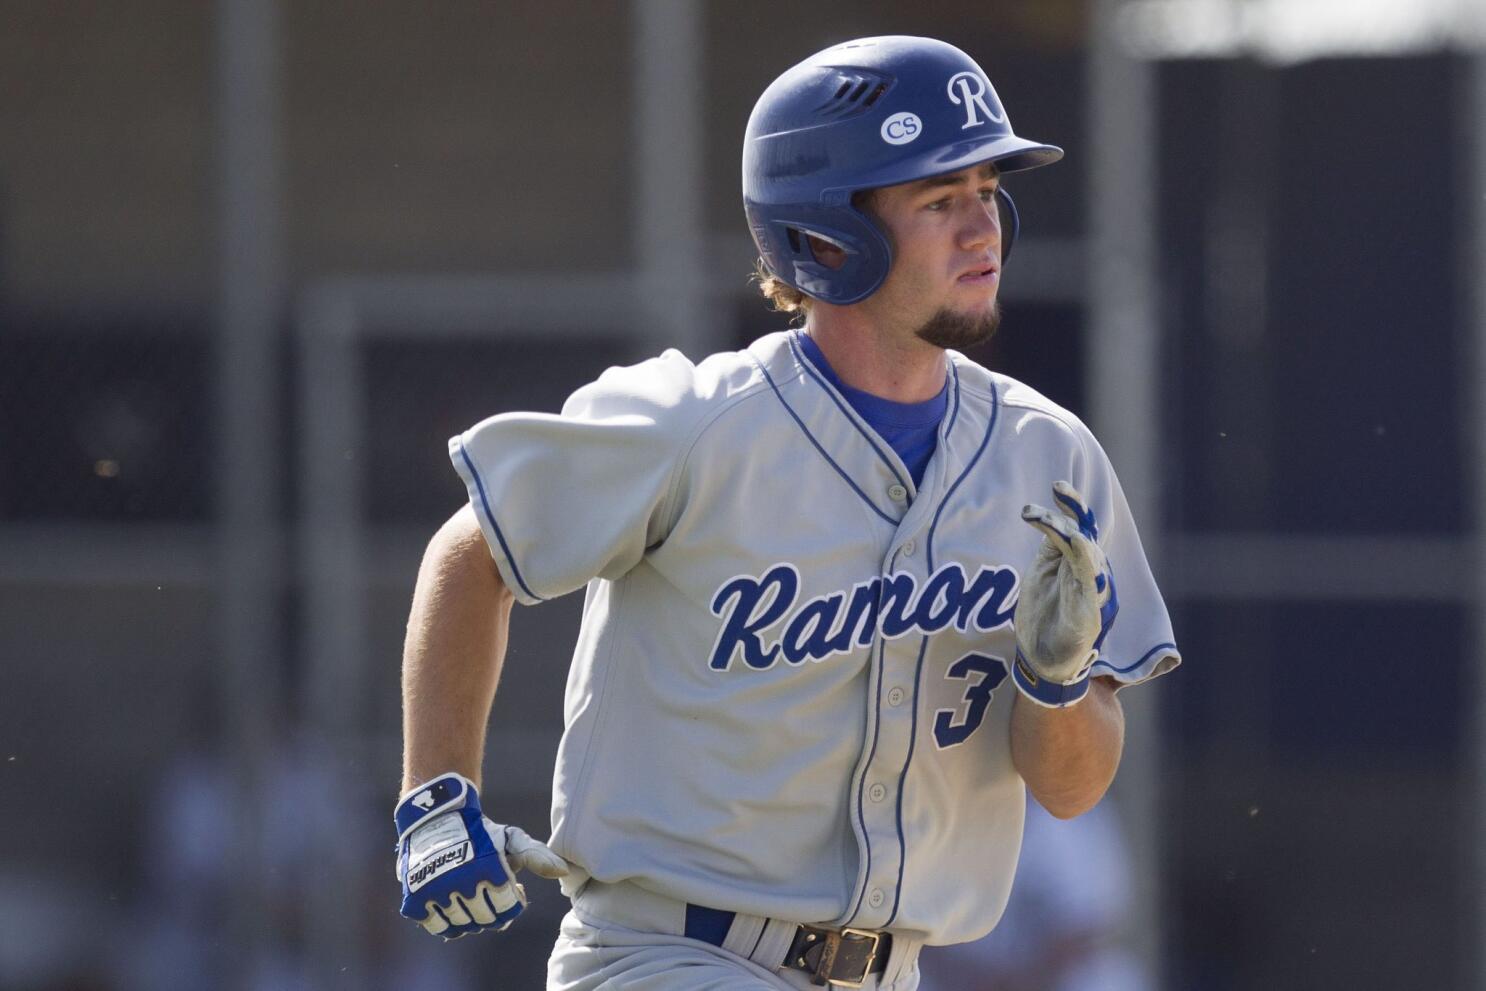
847	593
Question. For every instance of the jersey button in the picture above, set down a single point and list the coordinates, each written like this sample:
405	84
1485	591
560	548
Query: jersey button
897	493
908	548
876	898
895	696
877	792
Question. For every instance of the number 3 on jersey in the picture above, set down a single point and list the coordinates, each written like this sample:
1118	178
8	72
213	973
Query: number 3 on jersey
983	674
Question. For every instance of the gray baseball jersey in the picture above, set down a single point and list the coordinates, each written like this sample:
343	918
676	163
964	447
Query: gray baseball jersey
789	695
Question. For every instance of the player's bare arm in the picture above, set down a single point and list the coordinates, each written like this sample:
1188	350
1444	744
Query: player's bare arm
1068	757
457	867
456	642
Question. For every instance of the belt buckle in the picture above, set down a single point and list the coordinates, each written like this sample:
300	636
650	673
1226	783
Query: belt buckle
832	955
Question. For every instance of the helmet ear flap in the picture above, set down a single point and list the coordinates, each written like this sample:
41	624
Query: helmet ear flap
1011	221
867	254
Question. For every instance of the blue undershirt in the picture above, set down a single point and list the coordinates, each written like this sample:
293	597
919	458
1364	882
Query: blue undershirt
911	429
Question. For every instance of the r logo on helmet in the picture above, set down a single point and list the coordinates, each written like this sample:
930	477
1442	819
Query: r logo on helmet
972	94
901	128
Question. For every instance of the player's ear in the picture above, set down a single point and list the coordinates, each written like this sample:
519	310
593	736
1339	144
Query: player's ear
828	254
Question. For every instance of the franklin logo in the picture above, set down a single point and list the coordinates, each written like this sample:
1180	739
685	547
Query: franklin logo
432	868
968	89
1026	669
892	606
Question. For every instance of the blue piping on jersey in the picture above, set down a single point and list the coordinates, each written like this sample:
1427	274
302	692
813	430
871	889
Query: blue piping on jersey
809	367
1143	658
811	437
918	674
984	441
485	502
862	786
955	372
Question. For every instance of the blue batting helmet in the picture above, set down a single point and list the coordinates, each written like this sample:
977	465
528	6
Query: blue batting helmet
867	113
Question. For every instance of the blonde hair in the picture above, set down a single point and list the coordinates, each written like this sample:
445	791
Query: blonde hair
782	297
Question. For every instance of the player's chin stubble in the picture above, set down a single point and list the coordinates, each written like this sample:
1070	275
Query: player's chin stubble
948	329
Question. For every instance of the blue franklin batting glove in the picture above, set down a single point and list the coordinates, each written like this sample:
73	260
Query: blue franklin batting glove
1066	605
456	866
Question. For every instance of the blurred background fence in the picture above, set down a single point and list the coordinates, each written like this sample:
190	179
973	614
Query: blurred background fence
259	260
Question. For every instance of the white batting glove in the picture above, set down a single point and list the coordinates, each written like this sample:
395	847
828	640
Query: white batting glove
1066	605
457	868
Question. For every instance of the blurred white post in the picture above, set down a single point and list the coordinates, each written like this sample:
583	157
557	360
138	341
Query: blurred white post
1123	371
249	562
331	454
667	203
1473	136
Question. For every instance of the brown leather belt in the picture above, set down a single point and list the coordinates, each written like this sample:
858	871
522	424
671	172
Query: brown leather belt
840	958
